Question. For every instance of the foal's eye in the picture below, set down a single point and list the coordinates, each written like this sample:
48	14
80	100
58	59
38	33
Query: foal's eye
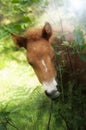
31	63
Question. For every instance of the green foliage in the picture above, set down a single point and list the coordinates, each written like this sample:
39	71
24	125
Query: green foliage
17	15
79	43
71	106
5	119
83	56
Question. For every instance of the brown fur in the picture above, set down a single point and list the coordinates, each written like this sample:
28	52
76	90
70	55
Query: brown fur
33	34
38	48
37	43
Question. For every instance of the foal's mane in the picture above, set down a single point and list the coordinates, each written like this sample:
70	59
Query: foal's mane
33	34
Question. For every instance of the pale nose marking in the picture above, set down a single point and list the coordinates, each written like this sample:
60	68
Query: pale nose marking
43	63
50	85
51	89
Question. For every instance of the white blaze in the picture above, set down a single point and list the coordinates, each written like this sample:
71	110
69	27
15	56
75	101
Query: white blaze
45	67
50	86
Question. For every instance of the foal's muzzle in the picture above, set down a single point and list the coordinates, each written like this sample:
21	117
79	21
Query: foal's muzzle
53	95
50	88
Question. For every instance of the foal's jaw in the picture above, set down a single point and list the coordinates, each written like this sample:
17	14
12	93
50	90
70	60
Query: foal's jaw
51	89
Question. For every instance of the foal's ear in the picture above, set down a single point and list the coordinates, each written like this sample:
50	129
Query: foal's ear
47	31
19	40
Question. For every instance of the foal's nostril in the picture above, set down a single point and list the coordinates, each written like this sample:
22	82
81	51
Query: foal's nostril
48	94
53	95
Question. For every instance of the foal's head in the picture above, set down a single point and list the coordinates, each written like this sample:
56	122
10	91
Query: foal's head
40	56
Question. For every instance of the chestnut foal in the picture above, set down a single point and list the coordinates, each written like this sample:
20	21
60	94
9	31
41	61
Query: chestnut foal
40	55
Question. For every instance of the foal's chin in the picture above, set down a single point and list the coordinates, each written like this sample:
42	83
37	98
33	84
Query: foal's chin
54	95
50	88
